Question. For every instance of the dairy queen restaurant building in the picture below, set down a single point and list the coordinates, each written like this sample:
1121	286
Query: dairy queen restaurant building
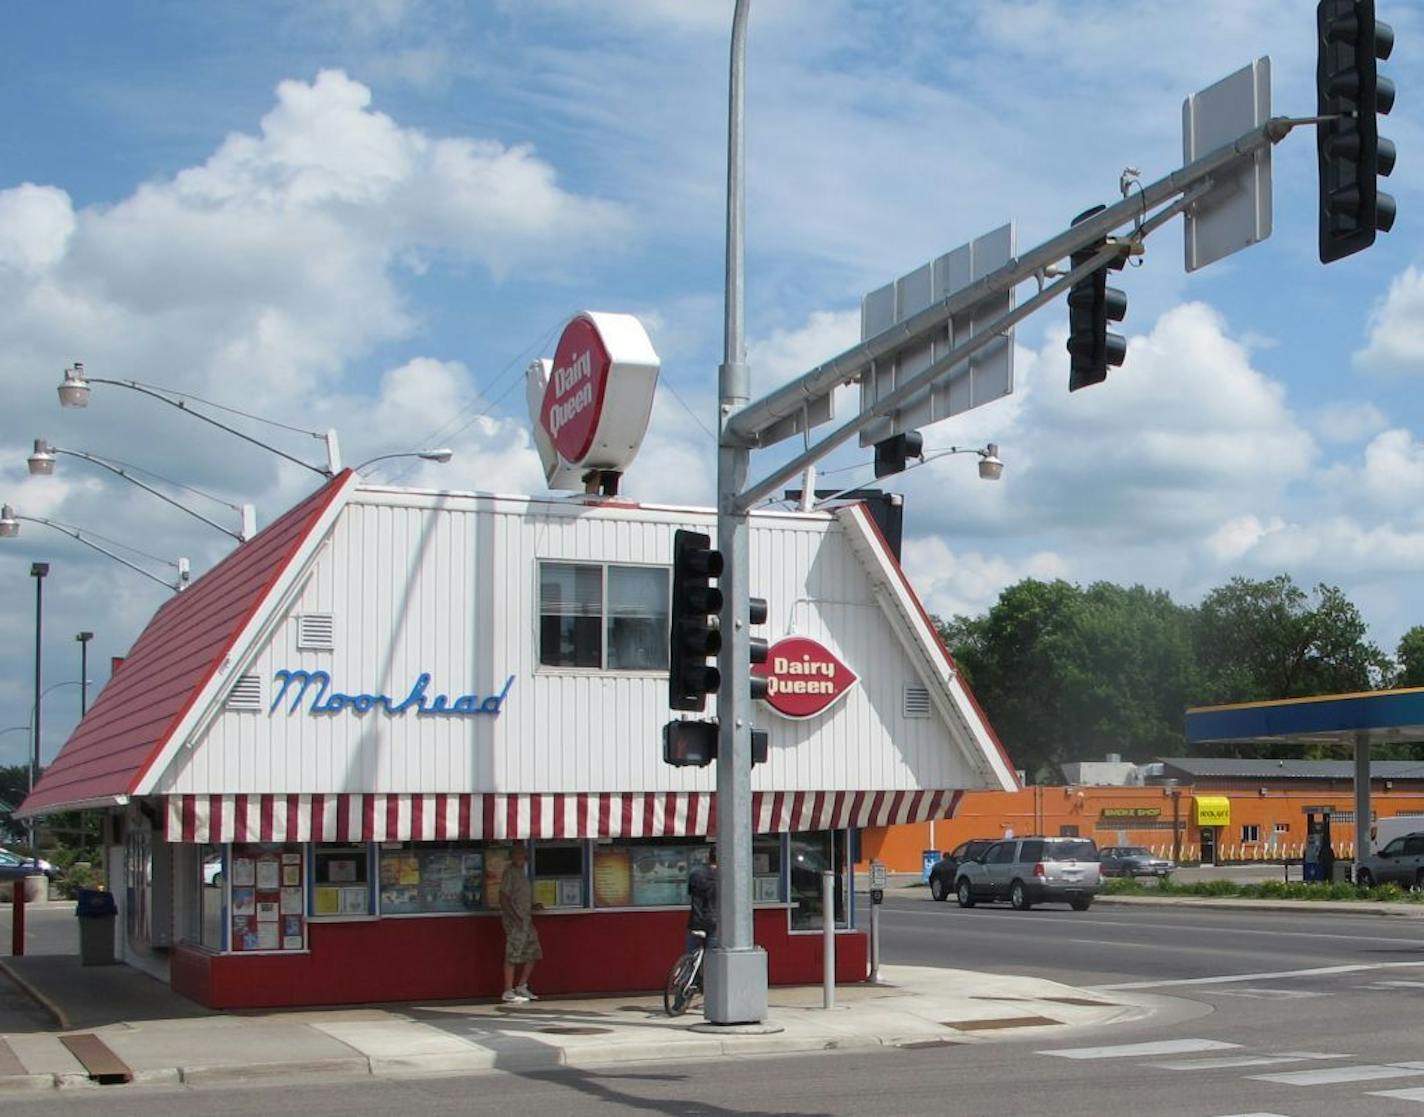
314	762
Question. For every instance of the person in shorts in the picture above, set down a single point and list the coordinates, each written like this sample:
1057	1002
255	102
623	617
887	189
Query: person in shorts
521	940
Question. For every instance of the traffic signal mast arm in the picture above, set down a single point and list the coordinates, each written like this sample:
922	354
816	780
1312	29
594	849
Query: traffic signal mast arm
750	423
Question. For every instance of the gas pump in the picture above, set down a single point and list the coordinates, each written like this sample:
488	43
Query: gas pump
1319	861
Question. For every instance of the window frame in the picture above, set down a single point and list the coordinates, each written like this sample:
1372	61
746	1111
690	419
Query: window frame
1250	832
604	566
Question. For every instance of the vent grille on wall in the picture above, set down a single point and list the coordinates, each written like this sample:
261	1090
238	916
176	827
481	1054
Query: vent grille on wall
917	702
246	693
316	631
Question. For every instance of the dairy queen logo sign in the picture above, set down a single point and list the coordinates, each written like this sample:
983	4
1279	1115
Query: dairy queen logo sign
573	401
803	678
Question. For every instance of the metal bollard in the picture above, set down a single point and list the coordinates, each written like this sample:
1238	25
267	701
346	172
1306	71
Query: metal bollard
828	935
17	918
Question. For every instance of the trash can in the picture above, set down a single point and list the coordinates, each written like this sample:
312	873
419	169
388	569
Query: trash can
1342	872
96	912
929	859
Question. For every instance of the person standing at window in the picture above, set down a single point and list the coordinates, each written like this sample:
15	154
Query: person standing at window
702	890
516	913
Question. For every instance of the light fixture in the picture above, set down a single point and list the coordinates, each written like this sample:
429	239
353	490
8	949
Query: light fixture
991	467
42	462
74	392
441	454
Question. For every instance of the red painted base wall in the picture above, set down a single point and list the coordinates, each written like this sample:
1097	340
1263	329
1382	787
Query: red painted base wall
463	958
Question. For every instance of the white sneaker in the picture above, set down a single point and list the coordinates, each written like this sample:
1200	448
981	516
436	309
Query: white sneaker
525	992
513	997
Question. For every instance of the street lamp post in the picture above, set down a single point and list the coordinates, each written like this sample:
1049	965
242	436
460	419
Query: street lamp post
10	527
38	571
42	460
84	638
442	455
74	392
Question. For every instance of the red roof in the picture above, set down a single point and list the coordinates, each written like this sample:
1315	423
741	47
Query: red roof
124	733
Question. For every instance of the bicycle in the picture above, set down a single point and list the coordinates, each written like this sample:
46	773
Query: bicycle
685	978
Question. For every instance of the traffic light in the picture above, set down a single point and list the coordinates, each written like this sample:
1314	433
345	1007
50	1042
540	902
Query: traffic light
693	633
760	649
1349	150
891	454
1092	304
689	744
693	744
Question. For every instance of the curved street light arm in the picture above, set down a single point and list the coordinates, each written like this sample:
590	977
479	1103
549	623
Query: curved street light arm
127	476
76	534
442	456
182	405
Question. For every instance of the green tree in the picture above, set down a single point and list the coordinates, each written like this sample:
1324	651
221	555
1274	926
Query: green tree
1263	640
1409	657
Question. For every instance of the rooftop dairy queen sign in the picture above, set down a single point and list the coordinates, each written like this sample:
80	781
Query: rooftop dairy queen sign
803	677
592	402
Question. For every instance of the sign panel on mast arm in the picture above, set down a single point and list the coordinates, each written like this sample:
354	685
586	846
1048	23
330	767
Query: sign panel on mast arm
985	376
1236	212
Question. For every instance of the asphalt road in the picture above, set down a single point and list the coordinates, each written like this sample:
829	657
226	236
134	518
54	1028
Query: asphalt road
1259	1014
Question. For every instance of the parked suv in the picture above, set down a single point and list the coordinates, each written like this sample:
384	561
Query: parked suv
1400	862
1027	871
946	869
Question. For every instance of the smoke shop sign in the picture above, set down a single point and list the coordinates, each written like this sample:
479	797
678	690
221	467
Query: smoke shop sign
1132	812
314	687
803	678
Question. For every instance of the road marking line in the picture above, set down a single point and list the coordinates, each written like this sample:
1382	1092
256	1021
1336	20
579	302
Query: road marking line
1225	1062
1273	994
1327	1076
1131	1050
1392	985
1230	979
1082	920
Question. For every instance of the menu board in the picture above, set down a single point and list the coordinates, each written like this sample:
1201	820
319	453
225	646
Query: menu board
267	896
612	877
415	881
659	876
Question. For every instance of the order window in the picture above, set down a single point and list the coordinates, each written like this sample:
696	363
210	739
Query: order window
425	878
341	879
601	616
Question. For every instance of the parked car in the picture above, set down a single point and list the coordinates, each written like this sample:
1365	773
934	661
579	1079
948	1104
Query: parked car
12	869
1400	862
1027	871
11	858
1133	861
946	869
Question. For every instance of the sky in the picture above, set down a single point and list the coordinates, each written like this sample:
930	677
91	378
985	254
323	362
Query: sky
371	215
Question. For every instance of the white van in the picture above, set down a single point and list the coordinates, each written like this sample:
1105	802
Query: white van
1385	830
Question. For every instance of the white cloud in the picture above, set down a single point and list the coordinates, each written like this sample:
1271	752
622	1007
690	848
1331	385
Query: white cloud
953	583
36	223
1239	535
1396	341
1342	421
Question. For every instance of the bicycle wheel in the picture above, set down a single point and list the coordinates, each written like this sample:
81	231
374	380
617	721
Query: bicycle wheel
677	994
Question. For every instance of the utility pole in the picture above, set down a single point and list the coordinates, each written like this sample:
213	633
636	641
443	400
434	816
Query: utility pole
737	972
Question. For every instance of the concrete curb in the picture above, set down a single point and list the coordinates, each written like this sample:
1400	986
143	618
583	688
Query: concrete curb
247	1072
61	1019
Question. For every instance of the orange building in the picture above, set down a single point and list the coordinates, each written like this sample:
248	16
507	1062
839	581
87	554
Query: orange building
1205	810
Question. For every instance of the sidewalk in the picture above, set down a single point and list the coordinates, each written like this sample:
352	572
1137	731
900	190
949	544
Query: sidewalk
162	1038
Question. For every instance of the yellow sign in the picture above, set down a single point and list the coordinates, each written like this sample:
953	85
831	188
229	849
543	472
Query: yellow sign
1213	810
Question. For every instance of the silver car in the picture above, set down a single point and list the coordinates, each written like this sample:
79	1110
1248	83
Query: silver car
1027	871
1400	862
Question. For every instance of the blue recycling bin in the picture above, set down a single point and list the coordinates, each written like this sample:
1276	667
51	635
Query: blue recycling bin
929	861
96	912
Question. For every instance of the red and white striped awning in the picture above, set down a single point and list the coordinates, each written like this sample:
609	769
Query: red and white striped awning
437	818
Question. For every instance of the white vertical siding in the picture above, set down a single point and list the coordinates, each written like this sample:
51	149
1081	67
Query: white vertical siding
448	584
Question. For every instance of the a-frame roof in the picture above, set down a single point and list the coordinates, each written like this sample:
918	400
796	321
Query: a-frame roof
171	664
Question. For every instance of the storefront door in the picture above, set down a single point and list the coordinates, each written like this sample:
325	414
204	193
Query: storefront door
1208	844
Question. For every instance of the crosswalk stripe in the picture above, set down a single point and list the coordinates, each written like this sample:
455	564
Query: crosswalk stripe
1325	1076
1415	1093
1135	1050
1225	1062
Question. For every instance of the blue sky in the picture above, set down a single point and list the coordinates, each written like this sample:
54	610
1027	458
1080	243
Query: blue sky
370	215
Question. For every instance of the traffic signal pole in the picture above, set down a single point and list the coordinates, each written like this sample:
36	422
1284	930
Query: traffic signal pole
736	970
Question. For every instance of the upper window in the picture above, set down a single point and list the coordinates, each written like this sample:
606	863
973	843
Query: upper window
603	617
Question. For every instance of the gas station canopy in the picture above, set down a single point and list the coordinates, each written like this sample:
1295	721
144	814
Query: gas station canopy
1379	717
